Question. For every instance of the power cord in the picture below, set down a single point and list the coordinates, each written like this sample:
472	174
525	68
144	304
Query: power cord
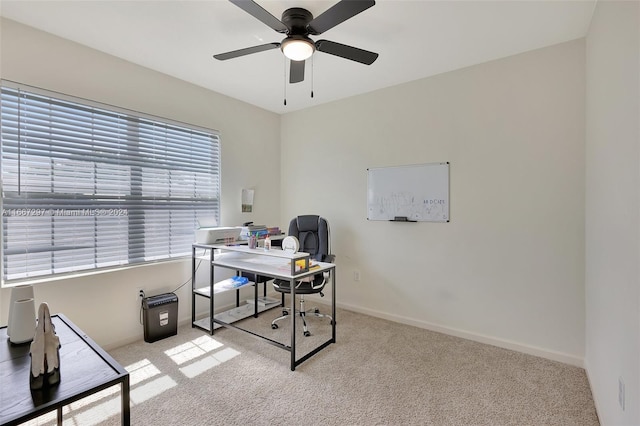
141	305
188	279
143	296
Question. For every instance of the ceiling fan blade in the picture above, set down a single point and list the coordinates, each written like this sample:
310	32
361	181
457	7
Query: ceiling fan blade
296	72
338	13
347	52
246	51
255	10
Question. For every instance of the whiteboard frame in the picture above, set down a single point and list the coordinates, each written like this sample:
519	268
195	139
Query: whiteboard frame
409	193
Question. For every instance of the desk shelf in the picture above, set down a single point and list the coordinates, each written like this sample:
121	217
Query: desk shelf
221	287
296	263
232	315
211	290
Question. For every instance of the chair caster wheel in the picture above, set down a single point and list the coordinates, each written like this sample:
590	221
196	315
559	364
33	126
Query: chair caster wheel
274	326
285	312
316	310
307	334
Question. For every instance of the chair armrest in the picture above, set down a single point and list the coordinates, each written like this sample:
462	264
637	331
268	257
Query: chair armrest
329	258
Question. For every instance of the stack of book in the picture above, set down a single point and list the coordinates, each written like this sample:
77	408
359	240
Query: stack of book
260	231
274	230
256	230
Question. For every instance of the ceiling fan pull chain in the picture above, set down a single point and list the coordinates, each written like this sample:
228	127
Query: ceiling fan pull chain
312	61
284	72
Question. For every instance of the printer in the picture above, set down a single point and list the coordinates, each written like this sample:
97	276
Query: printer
209	233
217	234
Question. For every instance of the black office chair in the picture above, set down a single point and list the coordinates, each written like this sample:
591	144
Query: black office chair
312	232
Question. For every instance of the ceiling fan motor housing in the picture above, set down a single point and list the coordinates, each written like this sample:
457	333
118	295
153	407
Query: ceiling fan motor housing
297	19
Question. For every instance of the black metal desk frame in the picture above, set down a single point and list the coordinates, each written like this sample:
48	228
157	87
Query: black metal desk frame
291	277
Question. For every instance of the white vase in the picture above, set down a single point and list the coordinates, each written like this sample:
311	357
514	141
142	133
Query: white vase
18	293
23	318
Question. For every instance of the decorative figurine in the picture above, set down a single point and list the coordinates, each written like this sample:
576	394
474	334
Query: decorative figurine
45	352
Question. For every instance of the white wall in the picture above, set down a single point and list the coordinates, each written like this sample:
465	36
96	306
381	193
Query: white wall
105	305
509	267
613	210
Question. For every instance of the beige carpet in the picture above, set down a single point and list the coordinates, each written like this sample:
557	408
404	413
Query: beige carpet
378	373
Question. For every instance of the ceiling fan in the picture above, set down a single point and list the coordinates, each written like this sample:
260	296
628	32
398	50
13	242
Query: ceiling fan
298	24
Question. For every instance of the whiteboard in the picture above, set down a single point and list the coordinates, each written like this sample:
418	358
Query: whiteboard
417	192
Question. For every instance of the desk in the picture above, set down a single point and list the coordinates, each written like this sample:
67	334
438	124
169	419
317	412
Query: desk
85	368
273	263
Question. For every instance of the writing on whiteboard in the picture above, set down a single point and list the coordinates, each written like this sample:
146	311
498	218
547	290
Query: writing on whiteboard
417	192
406	204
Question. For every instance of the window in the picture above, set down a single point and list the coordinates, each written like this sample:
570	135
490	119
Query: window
88	186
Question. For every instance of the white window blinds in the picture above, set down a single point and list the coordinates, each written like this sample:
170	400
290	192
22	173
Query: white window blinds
88	186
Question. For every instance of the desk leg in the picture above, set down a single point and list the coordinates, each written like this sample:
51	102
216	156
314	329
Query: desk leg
255	295
126	411
292	285
59	416
193	286
333	304
212	277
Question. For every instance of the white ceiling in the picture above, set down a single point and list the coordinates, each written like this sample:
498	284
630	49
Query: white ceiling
415	39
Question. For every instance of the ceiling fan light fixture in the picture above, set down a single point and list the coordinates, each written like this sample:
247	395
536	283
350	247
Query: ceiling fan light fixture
298	48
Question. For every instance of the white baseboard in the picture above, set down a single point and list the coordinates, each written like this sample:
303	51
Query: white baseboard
593	394
481	338
502	343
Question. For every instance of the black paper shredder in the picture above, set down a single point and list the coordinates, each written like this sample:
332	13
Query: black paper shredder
160	316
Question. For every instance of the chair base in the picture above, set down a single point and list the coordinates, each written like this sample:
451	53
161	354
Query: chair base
303	313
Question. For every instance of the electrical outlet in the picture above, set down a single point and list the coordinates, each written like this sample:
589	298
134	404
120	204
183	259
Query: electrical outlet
621	392
139	293
356	275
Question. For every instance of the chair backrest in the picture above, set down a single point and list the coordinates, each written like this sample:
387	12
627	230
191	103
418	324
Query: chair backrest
312	231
